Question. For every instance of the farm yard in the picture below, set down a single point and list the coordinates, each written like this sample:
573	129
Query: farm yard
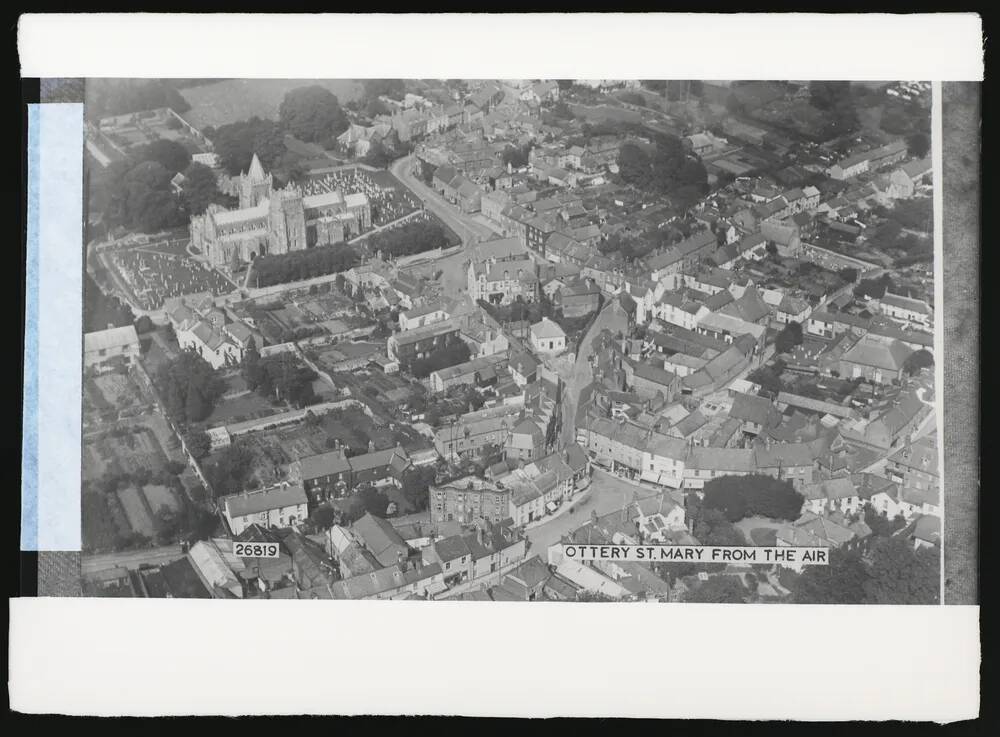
233	100
153	276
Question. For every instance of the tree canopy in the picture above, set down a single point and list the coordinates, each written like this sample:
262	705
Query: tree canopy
840	582
313	114
789	337
305	264
918	360
902	575
106	97
200	188
236	143
188	387
755	494
170	154
669	170
718	590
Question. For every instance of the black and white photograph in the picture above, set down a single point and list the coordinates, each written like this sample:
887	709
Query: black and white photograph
411	337
658	339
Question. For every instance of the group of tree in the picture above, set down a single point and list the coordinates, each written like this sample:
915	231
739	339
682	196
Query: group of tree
305	264
394	89
280	377
669	170
917	361
874	288
367	500
139	196
835	98
232	471
769	377
200	189
449	355
236	143
788	337
313	114
516	156
897	574
188	387
107	97
415	483
718	590
738	497
413	237
710	525
101	311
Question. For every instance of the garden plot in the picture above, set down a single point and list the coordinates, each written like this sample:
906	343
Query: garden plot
137	511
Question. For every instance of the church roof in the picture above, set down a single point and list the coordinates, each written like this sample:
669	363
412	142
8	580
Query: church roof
256	174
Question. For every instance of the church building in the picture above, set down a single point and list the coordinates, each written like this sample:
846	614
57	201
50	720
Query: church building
276	221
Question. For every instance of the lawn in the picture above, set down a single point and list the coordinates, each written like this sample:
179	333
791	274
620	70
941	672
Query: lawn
239	409
233	100
98	524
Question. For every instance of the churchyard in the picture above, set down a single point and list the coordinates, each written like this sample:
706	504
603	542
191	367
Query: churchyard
152	276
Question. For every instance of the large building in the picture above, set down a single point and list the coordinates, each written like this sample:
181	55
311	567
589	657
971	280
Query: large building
275	221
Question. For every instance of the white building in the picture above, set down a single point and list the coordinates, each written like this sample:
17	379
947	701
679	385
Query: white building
547	337
279	506
103	345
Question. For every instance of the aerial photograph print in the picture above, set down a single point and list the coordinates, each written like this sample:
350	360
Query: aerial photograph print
436	339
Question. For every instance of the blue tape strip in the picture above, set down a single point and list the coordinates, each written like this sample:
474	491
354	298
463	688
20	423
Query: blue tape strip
29	415
52	400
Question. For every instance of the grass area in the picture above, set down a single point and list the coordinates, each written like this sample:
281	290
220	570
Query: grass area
239	409
233	100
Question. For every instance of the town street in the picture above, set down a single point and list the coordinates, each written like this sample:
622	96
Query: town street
467	227
611	318
607	493
130	559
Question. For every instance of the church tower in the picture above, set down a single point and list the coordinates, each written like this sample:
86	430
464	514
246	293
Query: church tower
287	220
255	185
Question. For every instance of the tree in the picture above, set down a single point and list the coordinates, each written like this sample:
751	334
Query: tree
198	443
880	524
718	590
755	494
200	188
140	197
376	107
185	374
236	143
232	470
848	275
840	582
144	325
918	360
902	575
592	596
710	526
415	485
772	249
312	114
394	89
323	517
919	145
169	154
634	165
789	337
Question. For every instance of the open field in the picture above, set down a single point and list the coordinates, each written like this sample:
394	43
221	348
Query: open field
233	100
